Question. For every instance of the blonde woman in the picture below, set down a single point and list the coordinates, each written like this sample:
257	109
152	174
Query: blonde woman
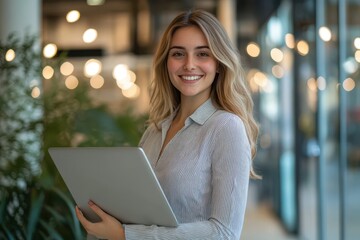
201	138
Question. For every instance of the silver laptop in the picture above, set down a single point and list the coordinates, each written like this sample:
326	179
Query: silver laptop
118	179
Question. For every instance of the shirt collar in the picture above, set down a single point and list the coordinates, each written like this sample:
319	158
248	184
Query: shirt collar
203	112
200	115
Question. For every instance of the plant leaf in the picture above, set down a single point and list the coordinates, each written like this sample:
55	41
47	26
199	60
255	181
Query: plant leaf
7	235
70	204
34	216
3	204
52	232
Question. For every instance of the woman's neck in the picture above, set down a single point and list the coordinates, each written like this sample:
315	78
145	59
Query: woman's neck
187	107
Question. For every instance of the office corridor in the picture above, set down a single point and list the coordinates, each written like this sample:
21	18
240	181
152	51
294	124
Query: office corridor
261	223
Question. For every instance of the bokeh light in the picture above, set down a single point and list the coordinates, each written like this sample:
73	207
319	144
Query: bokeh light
97	81
90	35
66	68
357	43
48	72
290	40
325	34
253	49
50	50
35	92
71	82
72	16
302	47
349	84
277	55
132	92
10	55
92	67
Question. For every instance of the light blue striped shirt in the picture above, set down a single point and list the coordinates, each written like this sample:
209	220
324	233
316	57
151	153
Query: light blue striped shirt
204	172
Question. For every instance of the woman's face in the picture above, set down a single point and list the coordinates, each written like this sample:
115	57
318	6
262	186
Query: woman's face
191	64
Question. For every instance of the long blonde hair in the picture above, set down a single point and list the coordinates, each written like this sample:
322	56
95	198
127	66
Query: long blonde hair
229	90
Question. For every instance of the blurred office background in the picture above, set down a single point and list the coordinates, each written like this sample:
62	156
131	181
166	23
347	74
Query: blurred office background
76	72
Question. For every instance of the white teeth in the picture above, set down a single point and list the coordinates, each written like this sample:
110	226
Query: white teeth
191	78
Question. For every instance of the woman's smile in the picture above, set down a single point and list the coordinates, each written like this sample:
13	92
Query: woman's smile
191	78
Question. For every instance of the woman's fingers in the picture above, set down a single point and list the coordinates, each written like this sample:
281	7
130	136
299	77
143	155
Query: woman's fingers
79	214
97	210
86	224
107	228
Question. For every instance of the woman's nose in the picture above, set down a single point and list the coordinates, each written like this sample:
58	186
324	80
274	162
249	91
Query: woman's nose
189	63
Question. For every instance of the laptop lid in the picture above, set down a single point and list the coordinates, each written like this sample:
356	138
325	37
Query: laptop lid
120	180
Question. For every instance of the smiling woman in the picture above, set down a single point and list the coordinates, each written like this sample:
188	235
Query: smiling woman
201	137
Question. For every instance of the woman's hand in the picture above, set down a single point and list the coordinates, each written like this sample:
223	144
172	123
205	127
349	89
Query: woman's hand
108	228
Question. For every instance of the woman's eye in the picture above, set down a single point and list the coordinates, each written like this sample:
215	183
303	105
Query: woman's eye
177	54
204	54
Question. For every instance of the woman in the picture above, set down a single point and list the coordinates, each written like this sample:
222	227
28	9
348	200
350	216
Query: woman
201	138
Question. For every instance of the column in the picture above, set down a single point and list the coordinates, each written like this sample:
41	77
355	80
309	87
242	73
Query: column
227	16
20	107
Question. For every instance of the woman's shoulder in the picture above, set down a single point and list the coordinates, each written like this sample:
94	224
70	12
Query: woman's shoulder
225	116
222	119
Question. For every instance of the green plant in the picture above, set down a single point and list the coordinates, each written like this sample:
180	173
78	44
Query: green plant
21	131
34	201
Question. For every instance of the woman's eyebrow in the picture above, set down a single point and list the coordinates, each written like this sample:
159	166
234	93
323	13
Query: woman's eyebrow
180	47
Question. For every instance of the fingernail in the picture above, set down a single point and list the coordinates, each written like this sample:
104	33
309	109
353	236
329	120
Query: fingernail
91	203
78	210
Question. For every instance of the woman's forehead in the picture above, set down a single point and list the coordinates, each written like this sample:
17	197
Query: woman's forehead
188	36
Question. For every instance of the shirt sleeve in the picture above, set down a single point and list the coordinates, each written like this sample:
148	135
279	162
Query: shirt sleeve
230	176
230	179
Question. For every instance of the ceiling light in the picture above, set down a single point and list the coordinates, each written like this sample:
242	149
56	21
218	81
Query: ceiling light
92	67
357	43
89	35
325	34
95	2
72	16
50	50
